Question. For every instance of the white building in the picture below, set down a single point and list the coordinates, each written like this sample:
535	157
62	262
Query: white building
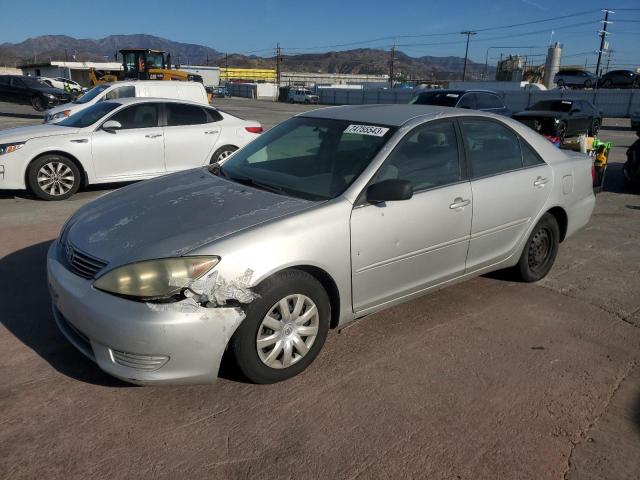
77	71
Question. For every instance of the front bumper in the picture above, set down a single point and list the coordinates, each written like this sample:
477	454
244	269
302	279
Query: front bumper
173	343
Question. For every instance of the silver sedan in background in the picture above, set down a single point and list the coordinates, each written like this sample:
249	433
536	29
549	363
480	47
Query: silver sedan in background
330	216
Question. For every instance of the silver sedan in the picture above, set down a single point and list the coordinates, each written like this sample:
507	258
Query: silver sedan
330	216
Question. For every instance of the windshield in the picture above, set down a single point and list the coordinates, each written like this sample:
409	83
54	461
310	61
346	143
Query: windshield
552	105
90	115
93	93
155	60
442	99
310	158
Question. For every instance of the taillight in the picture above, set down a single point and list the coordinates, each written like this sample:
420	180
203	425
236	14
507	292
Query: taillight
593	173
253	129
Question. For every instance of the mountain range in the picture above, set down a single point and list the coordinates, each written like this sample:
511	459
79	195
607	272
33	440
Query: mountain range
362	60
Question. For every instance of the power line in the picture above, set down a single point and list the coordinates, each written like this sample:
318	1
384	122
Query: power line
486	29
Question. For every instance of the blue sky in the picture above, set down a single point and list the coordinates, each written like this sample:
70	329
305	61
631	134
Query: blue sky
257	25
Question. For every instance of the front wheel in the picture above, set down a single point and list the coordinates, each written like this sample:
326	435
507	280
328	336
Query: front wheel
38	104
595	127
540	250
561	131
284	329
53	177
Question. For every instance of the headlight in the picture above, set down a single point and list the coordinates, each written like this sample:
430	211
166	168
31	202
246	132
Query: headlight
10	147
51	96
63	114
555	120
155	279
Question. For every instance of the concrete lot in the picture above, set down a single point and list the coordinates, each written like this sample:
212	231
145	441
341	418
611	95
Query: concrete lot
487	379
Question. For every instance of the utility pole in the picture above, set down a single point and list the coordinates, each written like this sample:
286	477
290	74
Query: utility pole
278	60
392	64
603	37
468	33
609	53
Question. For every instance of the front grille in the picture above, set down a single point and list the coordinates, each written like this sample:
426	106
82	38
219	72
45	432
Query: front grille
81	263
140	362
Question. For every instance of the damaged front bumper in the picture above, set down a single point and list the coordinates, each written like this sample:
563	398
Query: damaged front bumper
172	343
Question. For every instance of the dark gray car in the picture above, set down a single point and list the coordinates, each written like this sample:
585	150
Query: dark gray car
483	100
575	78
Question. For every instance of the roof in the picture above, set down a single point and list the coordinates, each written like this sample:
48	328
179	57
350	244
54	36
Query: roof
392	114
132	100
150	50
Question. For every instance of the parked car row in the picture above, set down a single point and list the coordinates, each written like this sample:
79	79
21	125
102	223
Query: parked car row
578	78
25	90
119	138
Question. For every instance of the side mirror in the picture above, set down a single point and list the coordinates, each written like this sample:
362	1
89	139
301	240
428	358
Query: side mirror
389	190
111	126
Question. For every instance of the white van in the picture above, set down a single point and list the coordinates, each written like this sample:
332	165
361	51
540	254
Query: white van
192	91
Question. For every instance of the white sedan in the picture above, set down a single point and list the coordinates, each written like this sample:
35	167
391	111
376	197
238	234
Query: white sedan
117	141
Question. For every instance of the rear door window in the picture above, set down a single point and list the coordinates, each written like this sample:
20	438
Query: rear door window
180	114
491	147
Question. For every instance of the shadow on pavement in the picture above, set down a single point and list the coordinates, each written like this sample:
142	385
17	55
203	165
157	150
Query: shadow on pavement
34	116
26	313
616	128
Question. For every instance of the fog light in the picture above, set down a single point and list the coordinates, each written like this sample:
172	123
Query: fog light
139	362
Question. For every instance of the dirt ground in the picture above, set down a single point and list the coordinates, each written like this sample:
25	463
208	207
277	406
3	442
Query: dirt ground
487	379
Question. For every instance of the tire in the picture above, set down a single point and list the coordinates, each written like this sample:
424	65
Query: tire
588	84
560	83
282	354
595	127
37	104
53	177
607	83
222	153
539	251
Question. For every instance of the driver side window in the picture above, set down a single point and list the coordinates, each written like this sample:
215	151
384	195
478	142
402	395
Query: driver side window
427	157
142	115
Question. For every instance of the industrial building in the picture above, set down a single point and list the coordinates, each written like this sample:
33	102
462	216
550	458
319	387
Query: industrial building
76	71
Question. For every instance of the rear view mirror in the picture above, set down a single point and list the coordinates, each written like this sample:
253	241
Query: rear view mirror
389	190
111	126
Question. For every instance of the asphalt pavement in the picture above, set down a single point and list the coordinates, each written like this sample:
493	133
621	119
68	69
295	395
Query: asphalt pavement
487	379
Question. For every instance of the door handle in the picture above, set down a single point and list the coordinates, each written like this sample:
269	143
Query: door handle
153	135
540	182
459	203
211	132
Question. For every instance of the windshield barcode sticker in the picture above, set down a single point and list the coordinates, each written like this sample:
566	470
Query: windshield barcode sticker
367	130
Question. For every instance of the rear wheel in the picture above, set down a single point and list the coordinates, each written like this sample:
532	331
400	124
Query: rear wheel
37	104
588	84
607	83
540	250
284	329
595	127
53	177
222	153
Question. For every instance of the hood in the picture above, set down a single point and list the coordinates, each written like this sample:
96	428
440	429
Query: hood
21	134
538	114
64	106
172	215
